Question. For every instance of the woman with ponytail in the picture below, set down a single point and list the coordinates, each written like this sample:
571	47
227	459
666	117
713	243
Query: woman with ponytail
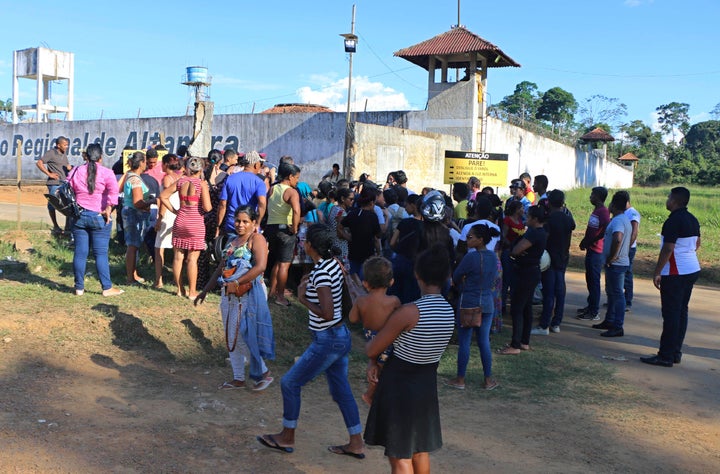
96	190
320	292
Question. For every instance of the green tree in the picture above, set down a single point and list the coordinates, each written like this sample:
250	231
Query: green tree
601	109
6	110
523	102
673	116
558	107
704	137
715	112
643	142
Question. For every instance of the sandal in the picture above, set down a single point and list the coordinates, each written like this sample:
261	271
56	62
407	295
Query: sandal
455	385
263	384
491	385
232	385
509	351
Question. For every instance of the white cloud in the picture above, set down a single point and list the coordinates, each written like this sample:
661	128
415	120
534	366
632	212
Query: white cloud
366	95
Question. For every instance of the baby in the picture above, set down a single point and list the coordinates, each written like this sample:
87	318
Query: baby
375	308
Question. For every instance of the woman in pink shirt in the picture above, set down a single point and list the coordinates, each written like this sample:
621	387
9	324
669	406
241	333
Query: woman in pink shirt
96	190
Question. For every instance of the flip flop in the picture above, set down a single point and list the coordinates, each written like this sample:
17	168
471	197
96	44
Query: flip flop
343	451
508	351
454	385
274	445
230	386
263	384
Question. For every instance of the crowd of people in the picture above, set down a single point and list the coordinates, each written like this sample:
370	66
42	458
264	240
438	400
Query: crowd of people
431	263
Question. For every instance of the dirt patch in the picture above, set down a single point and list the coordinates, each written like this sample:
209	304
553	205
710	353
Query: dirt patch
74	399
30	195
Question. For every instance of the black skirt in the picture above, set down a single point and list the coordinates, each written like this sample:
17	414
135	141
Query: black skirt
404	416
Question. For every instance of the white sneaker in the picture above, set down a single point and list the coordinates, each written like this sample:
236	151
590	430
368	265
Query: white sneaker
538	331
555	329
79	292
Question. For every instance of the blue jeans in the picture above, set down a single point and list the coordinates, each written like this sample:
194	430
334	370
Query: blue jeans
91	228
553	290
593	269
629	279
675	292
327	353
482	335
614	280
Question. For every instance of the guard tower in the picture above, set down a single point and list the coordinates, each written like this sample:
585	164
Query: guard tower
43	65
457	106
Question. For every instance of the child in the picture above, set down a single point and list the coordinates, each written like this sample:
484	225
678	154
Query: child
375	308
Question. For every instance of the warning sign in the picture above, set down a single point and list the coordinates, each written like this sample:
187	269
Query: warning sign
490	168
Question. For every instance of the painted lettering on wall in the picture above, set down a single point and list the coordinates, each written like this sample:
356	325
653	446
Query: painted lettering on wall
138	140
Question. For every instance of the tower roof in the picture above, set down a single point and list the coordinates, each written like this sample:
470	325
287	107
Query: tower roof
455	44
597	135
628	157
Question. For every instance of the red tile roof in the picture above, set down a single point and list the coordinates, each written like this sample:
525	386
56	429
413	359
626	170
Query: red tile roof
629	157
296	108
597	135
456	41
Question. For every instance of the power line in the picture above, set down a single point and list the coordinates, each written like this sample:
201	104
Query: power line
390	71
630	76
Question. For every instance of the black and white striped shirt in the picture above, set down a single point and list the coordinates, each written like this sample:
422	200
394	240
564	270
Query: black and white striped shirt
325	273
426	342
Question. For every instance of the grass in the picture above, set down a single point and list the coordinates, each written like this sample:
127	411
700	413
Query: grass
650	203
168	329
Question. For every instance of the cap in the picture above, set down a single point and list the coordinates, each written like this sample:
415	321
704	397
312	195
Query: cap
253	157
194	164
517	183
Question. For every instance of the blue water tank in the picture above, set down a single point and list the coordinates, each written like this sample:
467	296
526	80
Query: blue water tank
197	74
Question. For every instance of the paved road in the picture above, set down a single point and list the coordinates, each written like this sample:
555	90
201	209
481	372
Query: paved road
690	388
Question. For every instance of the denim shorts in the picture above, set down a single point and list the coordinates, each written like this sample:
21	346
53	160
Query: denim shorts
135	225
280	242
51	190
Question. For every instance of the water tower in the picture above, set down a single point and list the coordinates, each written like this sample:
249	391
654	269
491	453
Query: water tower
198	79
43	65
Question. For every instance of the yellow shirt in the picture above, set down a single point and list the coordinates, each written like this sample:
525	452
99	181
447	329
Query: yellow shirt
279	211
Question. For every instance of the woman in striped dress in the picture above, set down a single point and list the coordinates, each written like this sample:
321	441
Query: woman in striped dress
188	234
321	293
404	416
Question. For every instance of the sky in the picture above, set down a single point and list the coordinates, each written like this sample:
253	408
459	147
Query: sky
130	56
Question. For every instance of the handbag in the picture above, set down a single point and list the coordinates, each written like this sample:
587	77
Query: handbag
237	289
352	289
471	317
64	200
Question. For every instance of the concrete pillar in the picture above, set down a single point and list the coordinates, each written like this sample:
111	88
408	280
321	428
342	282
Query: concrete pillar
15	89
201	143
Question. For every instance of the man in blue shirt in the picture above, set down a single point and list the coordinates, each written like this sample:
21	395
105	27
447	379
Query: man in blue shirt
616	257
245	188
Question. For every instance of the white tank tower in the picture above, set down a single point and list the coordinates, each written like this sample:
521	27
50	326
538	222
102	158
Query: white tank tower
44	65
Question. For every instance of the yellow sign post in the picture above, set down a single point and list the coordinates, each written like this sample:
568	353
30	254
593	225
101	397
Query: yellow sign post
490	168
127	153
